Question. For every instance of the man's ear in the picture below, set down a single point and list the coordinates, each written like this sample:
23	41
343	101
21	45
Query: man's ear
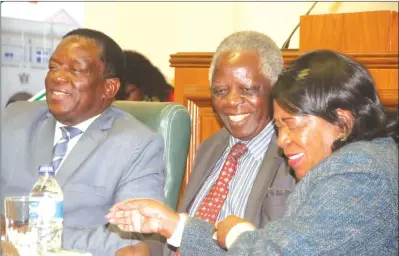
111	87
347	120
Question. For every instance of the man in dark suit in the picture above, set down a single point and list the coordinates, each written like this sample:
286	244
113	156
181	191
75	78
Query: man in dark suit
113	157
244	68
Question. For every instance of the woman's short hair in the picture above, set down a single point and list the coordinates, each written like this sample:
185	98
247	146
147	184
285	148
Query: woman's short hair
320	82
271	60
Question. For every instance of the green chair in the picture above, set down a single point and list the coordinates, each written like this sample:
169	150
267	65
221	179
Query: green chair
172	122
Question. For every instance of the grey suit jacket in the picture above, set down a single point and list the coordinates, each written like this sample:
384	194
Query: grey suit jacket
345	205
117	158
269	192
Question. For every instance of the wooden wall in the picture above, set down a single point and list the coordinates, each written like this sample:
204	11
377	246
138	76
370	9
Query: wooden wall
361	32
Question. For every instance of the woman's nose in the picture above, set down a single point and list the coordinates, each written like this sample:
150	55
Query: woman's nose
283	138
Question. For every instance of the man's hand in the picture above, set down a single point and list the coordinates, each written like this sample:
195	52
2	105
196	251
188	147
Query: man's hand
144	216
140	249
225	226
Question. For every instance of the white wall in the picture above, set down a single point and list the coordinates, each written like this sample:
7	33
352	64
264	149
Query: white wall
162	28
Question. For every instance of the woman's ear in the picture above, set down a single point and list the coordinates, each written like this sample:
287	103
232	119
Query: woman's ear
111	87
346	123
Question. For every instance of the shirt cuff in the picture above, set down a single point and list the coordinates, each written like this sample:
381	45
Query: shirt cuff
176	237
237	230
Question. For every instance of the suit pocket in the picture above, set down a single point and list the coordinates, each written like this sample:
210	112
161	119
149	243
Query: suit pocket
86	189
277	196
273	205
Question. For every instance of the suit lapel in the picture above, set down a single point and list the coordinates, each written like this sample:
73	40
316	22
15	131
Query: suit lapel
267	171
90	140
203	168
43	142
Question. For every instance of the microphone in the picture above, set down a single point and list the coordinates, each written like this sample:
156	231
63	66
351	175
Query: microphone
287	42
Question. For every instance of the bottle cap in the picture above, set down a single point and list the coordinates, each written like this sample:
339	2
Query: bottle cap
46	169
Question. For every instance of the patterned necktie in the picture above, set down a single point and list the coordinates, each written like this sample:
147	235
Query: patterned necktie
60	148
214	200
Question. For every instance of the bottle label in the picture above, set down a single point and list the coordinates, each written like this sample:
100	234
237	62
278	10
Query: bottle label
45	208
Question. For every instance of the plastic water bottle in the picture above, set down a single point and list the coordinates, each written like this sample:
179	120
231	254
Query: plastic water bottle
46	211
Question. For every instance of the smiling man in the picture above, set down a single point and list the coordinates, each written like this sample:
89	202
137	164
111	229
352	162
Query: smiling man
110	156
252	181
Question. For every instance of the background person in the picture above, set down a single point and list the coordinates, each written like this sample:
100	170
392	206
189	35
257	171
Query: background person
144	81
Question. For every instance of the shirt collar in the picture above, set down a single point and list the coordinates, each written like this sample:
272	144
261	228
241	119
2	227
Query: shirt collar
82	126
258	145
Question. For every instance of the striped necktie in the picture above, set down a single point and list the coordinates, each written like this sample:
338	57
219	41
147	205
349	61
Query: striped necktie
60	148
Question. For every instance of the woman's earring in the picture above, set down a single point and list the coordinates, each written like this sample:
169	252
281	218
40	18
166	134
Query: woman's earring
342	136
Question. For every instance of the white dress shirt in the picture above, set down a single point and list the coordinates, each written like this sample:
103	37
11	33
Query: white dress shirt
58	135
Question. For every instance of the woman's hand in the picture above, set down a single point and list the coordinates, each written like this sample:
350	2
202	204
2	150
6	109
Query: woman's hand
144	216
224	239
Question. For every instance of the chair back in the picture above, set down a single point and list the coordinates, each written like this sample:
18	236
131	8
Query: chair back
172	122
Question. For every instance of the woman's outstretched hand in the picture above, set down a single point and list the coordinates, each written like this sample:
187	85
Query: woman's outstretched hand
144	216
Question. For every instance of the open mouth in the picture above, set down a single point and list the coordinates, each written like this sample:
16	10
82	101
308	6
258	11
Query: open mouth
59	93
294	159
237	118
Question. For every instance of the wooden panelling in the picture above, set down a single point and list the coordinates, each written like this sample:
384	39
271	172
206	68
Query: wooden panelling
388	92
394	32
186	76
191	59
350	32
211	123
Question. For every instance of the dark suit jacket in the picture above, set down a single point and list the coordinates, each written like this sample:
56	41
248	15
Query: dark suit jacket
269	192
117	158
